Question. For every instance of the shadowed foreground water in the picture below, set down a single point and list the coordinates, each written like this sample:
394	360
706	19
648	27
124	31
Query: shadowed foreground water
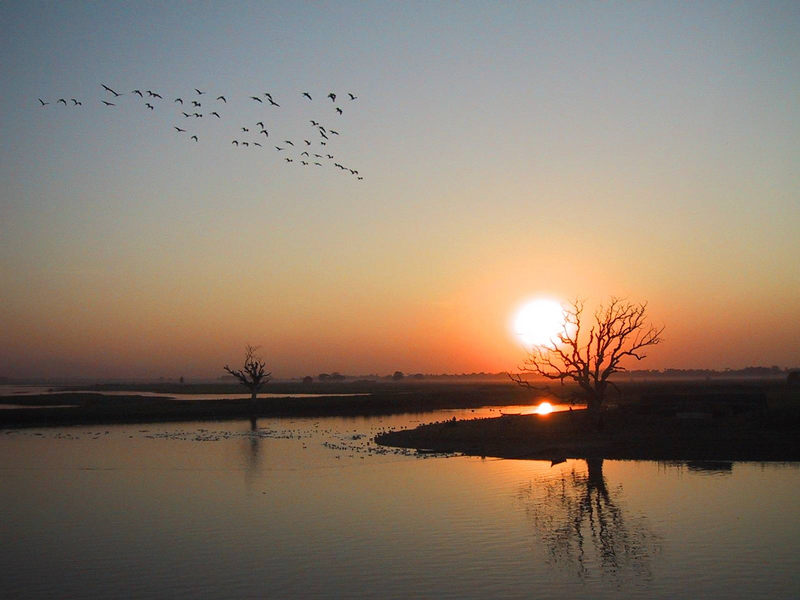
311	508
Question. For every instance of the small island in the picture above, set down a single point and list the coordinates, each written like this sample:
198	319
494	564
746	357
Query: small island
755	421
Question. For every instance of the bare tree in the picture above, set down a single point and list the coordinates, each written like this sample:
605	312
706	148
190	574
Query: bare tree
252	375
620	331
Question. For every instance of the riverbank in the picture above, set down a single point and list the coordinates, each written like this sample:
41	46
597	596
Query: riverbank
127	403
771	434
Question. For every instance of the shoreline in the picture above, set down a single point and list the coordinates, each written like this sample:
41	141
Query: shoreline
772	435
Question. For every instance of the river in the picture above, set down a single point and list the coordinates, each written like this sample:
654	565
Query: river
311	508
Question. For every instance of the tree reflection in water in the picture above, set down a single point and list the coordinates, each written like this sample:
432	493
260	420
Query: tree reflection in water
583	525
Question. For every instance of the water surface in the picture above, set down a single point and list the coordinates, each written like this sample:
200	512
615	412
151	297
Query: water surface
312	508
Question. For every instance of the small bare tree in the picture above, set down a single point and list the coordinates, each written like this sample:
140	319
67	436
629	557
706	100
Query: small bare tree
252	375
620	330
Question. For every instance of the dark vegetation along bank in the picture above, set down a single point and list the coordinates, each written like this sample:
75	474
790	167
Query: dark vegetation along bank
686	421
96	405
683	420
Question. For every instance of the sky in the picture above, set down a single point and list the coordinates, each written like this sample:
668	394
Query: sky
506	151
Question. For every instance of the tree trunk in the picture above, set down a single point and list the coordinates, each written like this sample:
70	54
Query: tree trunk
253	401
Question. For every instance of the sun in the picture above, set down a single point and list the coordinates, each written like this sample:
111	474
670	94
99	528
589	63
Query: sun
539	322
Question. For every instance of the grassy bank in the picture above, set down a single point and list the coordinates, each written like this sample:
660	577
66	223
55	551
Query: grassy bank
677	422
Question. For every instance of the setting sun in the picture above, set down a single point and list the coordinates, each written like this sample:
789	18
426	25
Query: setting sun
539	322
545	408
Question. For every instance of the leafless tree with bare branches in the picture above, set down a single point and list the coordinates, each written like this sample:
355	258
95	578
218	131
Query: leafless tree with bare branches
621	330
252	375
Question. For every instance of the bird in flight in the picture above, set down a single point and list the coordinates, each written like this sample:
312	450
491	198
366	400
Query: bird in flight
76	102
332	96
61	100
138	92
257	98
179	100
307	95
108	89
338	110
198	91
245	129
234	142
222	98
43	102
196	103
271	101
148	105
288	142
216	114
178	129
352	96
265	132
108	103
194	137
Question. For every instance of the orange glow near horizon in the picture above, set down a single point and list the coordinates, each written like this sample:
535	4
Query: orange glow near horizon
545	408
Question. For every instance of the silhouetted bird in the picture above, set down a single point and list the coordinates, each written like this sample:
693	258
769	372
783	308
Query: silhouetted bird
278	148
216	114
178	129
222	98
260	124
108	103
76	102
196	103
288	160
198	91
148	105
304	153
307	95
314	123
265	132
288	142
271	101
179	100
334	132
43	102
332	96
307	142
352	97
186	114
257	144
257	98
245	129
61	100
245	144
235	142
338	110
194	137
137	92
108	89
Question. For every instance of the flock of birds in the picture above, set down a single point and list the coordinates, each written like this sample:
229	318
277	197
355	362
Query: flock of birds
314	147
